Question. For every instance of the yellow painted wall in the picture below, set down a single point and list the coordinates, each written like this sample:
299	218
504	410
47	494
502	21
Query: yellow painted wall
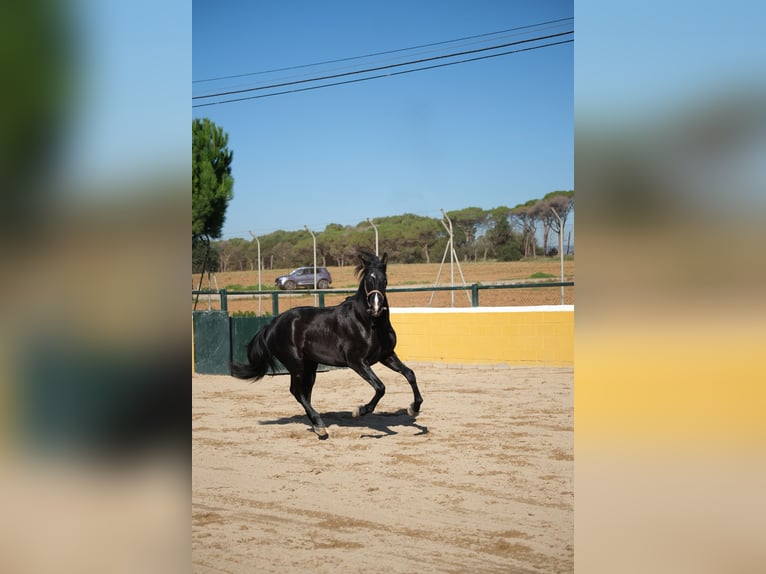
512	335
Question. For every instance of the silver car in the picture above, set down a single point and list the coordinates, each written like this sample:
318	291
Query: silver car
303	277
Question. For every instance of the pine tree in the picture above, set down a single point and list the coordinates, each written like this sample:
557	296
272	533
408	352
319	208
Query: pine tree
212	182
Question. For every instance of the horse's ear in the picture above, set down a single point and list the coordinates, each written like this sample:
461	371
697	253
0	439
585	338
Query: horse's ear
384	259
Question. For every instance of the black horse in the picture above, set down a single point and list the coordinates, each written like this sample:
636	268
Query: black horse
356	333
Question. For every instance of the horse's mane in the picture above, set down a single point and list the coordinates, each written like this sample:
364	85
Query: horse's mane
367	260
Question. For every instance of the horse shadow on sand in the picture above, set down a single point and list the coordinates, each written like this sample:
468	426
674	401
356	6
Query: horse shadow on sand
378	424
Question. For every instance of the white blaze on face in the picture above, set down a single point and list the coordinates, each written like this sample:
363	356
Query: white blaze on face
376	301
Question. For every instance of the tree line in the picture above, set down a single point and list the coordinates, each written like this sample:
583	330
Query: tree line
501	233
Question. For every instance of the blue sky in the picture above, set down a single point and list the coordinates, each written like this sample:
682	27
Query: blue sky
131	82
487	133
634	62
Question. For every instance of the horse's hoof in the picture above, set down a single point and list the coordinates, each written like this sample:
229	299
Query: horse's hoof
413	410
321	432
357	412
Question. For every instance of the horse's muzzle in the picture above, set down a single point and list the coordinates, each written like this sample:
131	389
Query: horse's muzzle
375	300
376	312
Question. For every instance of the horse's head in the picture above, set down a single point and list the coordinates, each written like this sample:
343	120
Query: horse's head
374	281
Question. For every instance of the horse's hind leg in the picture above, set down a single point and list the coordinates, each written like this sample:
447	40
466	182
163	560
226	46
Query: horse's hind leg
301	385
394	363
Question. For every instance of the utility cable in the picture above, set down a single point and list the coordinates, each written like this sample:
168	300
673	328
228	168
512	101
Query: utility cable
376	69
381	53
355	80
383	60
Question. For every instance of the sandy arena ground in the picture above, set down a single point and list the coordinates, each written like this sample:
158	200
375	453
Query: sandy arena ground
481	481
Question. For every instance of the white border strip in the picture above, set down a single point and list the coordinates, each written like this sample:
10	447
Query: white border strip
469	310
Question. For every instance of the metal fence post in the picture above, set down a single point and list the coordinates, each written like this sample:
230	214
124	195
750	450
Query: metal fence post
275	303
224	300
321	299
474	295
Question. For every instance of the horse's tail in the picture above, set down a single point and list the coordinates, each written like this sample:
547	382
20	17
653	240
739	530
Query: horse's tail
260	359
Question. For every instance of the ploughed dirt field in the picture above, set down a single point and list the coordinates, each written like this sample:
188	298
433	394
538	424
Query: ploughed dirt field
480	481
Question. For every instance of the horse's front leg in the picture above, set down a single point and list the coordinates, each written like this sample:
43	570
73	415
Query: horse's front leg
364	371
395	364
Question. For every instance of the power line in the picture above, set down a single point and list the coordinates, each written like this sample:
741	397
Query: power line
389	66
381	53
378	68
387	60
442	65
